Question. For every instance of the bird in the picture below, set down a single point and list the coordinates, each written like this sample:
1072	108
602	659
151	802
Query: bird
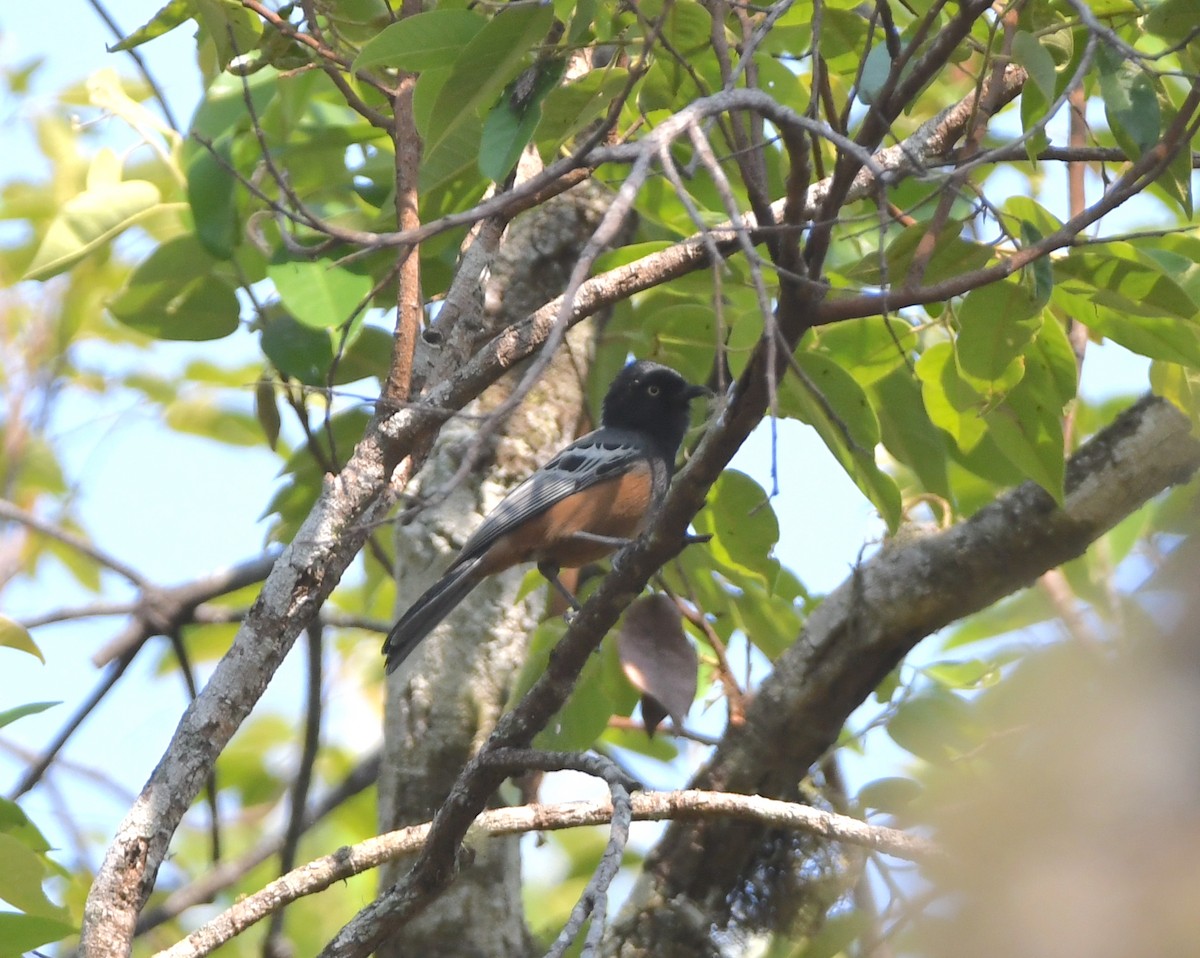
592	498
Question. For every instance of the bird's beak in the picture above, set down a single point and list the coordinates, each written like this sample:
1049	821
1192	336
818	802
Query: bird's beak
695	392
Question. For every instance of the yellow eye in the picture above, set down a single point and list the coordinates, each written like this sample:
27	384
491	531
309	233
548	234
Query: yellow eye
653	390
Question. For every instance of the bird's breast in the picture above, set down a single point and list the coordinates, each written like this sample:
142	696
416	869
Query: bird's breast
615	509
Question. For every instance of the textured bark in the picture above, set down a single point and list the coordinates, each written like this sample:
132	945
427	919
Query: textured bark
912	588
446	698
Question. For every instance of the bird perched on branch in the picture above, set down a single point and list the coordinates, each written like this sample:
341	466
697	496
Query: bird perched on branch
588	501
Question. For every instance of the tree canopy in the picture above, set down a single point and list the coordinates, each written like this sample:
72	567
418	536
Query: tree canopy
403	249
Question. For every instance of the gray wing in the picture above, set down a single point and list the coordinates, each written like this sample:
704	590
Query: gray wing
593	458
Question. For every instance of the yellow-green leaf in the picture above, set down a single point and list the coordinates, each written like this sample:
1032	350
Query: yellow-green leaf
952	405
88	222
13	635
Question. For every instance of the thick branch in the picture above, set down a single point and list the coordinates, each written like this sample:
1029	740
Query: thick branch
873	619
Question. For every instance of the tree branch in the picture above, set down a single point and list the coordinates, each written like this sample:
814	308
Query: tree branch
865	627
320	873
349	506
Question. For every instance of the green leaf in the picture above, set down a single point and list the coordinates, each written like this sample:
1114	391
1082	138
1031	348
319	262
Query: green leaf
1034	107
837	935
843	38
739	516
968	674
572	106
1176	180
1122	293
369	353
21	878
1178	256
907	432
89	221
8	716
1154	336
582	15
224	105
838	391
1130	102
485	66
870	348
266	409
1053	350
1157	338
770	622
602	691
84	568
996	324
887	688
978	475
1173	20
212	195
952	256
22	933
167	19
952	404
202	416
509	126
234	30
13	635
456	154
1024	610
319	293
426	41
1027	427
1040	269
681	335
687	25
242	766
1023	209
295	349
936	726
14	821
425	94
1181	386
1037	61
173	294
661	748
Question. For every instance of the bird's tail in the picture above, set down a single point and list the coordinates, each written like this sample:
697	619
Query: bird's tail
437	603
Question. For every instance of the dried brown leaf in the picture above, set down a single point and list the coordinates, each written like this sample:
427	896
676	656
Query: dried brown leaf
658	659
